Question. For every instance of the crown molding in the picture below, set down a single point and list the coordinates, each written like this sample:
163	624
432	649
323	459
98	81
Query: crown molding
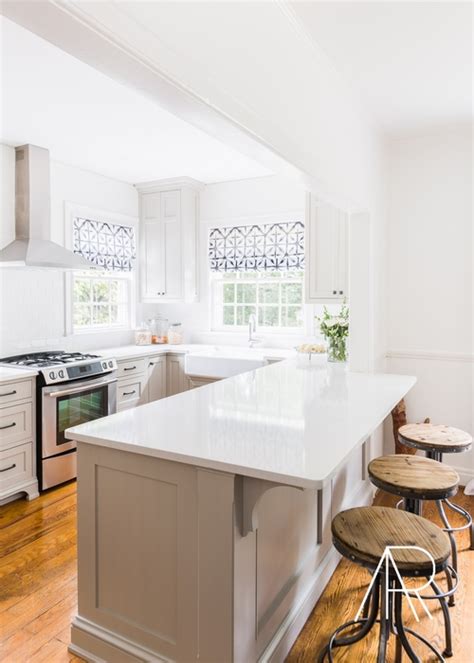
170	183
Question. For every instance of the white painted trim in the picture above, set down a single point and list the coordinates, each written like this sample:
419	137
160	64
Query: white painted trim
104	635
296	214
170	183
465	473
281	643
431	355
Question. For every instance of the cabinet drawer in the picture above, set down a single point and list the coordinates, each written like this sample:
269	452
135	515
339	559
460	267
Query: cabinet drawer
126	369
131	393
16	465
15	424
15	391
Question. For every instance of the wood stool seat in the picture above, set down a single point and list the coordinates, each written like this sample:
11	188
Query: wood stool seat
414	477
363	533
431	437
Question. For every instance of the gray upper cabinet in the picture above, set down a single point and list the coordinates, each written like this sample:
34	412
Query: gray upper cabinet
169	215
326	244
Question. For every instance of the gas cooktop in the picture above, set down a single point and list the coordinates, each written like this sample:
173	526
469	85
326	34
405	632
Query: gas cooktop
59	366
46	359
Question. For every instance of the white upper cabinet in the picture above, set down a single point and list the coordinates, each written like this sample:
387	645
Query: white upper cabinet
326	260
169	213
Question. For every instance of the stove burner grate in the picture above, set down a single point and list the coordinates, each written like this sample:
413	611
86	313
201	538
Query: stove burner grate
46	359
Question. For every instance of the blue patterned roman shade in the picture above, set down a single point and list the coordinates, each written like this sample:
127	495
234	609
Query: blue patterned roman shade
110	246
267	247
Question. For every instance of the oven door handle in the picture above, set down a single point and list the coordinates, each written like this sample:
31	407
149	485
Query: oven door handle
67	392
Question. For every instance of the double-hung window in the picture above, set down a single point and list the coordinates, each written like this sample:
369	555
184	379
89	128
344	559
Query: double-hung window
103	298
258	269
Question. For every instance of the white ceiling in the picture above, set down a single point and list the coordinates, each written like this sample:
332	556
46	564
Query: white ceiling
411	62
86	119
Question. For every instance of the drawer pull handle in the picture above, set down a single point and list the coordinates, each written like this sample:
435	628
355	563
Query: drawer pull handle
9	393
128	393
8	426
5	469
129	368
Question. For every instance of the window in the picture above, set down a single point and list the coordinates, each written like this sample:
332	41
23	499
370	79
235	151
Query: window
258	269
102	299
276	298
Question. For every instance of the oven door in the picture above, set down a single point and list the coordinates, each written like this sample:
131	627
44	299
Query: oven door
72	404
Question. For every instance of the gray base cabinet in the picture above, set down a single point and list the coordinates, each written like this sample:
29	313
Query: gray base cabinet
176	379
181	563
17	440
132	380
157	378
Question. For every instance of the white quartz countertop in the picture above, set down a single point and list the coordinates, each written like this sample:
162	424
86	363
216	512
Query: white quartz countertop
9	374
124	351
288	422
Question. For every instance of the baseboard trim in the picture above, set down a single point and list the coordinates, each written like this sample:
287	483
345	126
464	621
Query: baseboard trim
89	641
466	474
29	487
286	635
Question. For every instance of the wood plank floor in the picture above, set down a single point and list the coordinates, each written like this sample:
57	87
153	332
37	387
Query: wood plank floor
345	591
38	590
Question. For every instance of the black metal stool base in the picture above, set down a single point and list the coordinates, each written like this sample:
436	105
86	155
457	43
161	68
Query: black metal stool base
438	455
391	622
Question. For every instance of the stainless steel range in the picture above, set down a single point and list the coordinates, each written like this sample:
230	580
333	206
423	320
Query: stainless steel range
72	388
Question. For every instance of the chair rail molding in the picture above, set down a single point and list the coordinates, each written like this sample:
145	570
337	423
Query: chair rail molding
431	355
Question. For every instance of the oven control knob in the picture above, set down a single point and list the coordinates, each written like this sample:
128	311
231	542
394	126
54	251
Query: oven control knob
52	375
61	374
104	364
111	364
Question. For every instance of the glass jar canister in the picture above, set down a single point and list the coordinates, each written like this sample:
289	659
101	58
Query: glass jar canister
143	334
159	330
175	334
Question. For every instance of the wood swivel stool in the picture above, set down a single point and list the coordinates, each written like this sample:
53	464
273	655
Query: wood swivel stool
362	535
415	479
436	440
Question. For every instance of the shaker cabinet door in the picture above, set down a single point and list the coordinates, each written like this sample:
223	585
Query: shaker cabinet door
153	273
172	251
156	378
169	215
176	379
326	252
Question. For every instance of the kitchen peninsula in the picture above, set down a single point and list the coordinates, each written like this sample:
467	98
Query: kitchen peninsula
204	518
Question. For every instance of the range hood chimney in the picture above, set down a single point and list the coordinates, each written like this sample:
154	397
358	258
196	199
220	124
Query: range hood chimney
32	246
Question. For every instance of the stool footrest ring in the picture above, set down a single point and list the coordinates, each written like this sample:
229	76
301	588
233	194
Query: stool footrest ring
444	595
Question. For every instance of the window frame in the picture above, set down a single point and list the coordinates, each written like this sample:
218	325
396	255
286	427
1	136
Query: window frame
71	211
217	278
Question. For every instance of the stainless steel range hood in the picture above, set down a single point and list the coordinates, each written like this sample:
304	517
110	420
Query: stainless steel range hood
32	246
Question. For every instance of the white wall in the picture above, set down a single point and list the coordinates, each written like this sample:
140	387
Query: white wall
32	307
430	275
279	99
259	200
